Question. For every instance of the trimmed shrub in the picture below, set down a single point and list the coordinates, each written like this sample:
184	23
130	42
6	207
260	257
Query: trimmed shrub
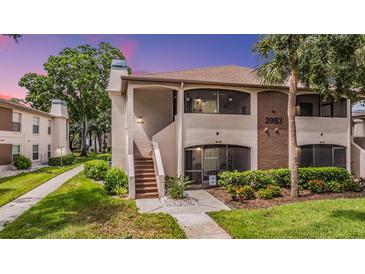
22	162
280	176
246	193
233	180
325	174
105	157
269	192
351	185
334	186
116	182
317	186
96	169
176	186
68	159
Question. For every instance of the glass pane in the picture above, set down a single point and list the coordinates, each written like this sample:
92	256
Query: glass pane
35	121
16	149
238	158
234	102
196	177
306	156
339	156
307	105
35	148
16	117
193	159
340	108
322	155
201	101
326	110
210	162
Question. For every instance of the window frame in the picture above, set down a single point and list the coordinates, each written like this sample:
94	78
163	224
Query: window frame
49	151
321	104
333	147
12	152
37	152
218	93
36	126
16	123
49	127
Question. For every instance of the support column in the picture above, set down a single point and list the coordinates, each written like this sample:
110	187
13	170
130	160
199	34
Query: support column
349	135
179	130
130	119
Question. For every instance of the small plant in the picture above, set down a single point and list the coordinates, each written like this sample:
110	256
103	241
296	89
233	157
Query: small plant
116	182
269	192
106	157
96	169
353	185
176	186
317	186
68	159
334	186
22	162
246	193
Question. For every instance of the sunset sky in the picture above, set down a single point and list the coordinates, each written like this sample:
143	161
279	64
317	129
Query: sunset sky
144	53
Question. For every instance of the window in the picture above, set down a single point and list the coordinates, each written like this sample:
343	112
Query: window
35	152
49	126
203	161
49	153
35	124
322	155
17	120
313	105
16	152
217	101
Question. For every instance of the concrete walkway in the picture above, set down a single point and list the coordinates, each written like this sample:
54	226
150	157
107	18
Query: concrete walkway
192	218
17	207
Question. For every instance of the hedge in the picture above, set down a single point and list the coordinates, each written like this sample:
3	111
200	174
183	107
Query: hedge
104	157
22	162
281	177
96	169
68	159
115	179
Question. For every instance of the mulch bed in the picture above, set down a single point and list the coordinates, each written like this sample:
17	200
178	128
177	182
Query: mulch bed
305	195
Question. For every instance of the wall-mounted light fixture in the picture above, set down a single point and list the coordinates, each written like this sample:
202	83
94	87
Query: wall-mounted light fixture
139	120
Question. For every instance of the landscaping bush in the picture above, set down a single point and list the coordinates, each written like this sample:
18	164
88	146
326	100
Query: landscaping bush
351	185
334	186
280	176
325	174
271	191
68	159
96	169
317	186
176	186
22	162
235	179
246	193
116	182
105	157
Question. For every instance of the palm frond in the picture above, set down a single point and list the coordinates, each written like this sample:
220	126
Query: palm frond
271	73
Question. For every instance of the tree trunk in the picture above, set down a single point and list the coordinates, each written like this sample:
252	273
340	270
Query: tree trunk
100	143
95	145
293	153
84	132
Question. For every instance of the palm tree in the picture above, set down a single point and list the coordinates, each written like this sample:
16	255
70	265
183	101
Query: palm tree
325	63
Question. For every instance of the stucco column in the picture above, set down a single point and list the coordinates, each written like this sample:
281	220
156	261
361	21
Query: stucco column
179	130
349	133
130	119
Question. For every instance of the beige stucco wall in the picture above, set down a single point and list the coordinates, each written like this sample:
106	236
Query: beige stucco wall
155	108
26	138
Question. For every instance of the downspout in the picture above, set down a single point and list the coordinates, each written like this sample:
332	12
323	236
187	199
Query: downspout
180	108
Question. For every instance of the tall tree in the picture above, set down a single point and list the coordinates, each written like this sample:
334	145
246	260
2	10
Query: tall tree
80	77
325	63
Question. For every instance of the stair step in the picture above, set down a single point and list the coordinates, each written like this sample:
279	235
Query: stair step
147	195
143	184
145	189
142	166
145	180
143	175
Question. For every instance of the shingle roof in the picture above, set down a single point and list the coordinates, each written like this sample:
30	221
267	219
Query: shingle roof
10	104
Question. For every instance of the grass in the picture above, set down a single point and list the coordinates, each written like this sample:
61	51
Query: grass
81	209
15	186
326	219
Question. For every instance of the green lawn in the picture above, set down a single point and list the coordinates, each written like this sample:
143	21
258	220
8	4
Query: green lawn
333	219
15	186
81	209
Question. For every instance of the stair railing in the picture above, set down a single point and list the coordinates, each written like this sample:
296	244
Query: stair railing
159	171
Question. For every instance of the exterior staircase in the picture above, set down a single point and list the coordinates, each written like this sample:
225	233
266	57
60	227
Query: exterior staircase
145	178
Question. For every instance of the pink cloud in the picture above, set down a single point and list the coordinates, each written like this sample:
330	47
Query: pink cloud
6	42
127	47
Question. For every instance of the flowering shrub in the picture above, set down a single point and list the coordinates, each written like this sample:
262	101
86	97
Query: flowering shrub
317	186
246	193
269	192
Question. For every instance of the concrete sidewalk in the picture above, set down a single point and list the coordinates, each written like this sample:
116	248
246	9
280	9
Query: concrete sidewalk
192	218
17	207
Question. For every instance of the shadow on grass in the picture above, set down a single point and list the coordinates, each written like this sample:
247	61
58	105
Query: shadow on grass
74	207
5	190
354	215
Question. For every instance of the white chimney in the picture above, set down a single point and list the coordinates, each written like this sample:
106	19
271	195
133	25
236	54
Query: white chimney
59	108
119	68
60	128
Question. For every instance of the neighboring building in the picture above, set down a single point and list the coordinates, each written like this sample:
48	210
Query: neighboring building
203	121
33	133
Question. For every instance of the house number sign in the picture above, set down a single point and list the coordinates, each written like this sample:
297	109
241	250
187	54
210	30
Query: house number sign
273	120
